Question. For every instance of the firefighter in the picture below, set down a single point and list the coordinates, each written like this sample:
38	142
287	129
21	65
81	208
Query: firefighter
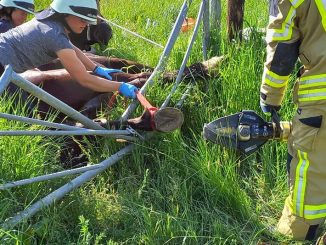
299	31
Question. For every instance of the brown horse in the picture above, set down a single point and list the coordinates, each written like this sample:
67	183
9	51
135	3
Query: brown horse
59	83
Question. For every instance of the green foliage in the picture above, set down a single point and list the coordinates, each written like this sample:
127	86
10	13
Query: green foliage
176	188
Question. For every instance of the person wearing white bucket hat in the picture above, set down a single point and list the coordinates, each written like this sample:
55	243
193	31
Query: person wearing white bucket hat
26	5
44	38
14	13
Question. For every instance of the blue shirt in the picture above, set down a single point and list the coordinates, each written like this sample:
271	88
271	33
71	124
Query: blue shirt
32	44
5	25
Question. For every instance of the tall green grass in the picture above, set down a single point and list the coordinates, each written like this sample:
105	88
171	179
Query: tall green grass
176	188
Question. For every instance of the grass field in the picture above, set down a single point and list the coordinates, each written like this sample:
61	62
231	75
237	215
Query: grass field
177	188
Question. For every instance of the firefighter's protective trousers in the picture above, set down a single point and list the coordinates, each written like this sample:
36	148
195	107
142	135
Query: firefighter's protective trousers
299	31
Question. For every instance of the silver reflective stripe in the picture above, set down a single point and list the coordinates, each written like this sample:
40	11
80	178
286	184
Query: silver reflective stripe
300	199
311	95
324	3
312	81
274	80
314	212
288	26
295	2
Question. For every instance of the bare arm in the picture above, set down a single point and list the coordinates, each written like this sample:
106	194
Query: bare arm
90	66
77	70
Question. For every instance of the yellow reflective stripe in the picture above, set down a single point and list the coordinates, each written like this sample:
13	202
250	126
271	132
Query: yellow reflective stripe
312	81
312	95
315	211
285	33
274	80
321	5
296	3
289	204
300	183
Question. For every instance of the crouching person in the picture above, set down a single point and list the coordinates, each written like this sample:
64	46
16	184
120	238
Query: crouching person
14	13
101	33
45	38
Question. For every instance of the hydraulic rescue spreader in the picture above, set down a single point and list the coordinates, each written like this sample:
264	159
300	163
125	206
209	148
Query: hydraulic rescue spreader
246	131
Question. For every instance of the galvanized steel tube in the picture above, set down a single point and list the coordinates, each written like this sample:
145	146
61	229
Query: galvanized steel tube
5	78
53	101
38	122
166	52
62	191
48	177
187	54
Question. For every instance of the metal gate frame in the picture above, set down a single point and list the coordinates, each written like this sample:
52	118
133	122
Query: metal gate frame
92	128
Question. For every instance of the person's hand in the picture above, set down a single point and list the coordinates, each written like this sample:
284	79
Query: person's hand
105	72
128	90
268	110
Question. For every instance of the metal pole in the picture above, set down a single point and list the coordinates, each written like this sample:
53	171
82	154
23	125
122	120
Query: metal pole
215	14
184	95
130	32
38	122
62	191
166	52
52	101
187	54
5	79
75	183
48	177
206	28
63	132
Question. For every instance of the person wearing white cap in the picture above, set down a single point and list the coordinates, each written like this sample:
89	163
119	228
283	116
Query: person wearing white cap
45	38
14	13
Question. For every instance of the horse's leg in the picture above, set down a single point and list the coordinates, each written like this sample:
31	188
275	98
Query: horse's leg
200	70
60	84
53	65
127	66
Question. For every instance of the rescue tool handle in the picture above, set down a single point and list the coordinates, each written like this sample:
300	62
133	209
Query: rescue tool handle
141	98
276	119
144	102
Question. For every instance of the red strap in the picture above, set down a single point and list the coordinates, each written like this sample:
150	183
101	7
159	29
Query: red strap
112	100
144	102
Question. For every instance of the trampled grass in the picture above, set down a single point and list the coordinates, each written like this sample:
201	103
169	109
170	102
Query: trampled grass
176	188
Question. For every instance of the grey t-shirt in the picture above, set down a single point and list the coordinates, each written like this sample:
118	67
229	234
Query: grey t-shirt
5	25
32	44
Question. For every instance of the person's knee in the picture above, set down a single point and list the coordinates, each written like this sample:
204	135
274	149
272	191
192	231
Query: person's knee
298	228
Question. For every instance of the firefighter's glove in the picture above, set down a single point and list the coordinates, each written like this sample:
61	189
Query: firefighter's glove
128	90
269	109
105	72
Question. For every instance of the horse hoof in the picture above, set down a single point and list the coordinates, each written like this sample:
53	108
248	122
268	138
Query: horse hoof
168	119
212	65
